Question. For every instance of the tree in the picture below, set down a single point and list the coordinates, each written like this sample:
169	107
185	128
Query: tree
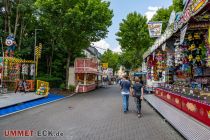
112	59
178	5
80	22
134	37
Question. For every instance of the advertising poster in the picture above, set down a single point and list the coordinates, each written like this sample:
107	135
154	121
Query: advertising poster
155	29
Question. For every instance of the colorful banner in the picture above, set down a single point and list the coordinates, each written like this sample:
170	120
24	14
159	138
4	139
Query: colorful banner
193	7
155	29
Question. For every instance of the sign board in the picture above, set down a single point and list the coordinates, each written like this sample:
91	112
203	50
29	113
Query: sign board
105	65
155	29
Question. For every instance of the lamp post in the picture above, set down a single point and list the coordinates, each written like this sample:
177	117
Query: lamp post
35	50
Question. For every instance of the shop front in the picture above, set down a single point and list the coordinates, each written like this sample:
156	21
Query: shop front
184	65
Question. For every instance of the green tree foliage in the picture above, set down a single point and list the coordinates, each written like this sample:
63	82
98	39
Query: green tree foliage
178	5
126	59
68	26
111	58
133	36
78	23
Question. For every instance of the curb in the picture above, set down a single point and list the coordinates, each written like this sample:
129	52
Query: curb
38	105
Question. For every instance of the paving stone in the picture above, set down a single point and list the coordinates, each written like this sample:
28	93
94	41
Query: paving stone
95	115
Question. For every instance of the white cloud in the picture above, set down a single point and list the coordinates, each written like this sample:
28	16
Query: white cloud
151	12
101	46
117	49
153	8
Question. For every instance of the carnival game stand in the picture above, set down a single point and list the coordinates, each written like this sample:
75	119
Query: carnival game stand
86	71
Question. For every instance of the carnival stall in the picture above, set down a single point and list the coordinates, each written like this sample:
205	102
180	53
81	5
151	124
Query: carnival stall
13	69
86	71
186	63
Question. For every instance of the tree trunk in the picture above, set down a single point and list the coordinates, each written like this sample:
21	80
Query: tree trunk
6	16
9	16
21	34
16	19
67	68
51	58
48	64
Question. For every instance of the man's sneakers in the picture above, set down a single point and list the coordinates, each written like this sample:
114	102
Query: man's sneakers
139	115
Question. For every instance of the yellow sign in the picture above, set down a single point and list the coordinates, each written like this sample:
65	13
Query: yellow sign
105	65
42	88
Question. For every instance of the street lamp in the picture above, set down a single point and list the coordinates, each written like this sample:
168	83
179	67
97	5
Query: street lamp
35	50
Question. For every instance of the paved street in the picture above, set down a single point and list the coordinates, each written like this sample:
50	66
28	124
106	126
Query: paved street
92	116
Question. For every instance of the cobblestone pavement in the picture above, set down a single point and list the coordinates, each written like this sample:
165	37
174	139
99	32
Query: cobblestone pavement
95	115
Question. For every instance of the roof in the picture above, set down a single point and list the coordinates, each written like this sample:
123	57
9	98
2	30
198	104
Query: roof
94	51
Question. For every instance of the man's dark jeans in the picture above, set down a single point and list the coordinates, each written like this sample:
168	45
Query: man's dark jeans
138	103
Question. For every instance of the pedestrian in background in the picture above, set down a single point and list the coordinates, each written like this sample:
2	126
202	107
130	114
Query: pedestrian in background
138	93
125	91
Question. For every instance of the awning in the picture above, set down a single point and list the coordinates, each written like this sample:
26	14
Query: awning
139	73
86	70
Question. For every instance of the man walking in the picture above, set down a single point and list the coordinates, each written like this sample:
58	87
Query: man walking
138	93
125	91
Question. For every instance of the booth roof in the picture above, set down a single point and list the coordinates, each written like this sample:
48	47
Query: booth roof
17	60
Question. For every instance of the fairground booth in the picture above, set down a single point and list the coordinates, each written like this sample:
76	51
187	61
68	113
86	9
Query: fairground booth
179	61
86	72
19	74
13	69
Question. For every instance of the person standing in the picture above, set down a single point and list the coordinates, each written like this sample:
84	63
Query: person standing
125	91
138	93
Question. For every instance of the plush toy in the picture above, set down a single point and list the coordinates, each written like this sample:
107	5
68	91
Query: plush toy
196	36
198	58
41	90
11	44
185	60
159	56
190	38
192	47
190	57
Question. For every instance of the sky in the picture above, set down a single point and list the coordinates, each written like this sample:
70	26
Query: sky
121	9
